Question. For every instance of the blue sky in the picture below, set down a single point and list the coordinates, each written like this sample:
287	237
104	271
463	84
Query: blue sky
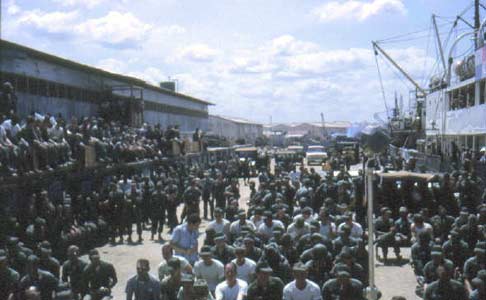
289	59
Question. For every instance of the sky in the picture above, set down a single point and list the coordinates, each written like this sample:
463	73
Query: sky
262	60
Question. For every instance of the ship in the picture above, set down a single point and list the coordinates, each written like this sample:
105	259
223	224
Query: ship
448	121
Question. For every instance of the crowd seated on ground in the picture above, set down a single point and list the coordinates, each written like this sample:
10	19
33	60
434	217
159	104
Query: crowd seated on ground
300	239
302	236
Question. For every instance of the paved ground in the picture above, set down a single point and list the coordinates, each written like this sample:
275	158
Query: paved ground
391	280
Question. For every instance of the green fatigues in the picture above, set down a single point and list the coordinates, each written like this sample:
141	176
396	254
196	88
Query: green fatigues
9	281
273	291
451	290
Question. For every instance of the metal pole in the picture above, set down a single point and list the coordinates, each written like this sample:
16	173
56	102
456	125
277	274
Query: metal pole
439	44
371	291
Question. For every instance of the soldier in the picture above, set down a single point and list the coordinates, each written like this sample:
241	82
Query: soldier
97	277
265	287
9	278
218	192
135	213
43	280
72	270
8	100
170	285
158	202
445	288
143	286
172	192
191	198
116	200
206	187
343	287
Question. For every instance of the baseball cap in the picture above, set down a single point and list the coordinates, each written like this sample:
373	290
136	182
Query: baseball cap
263	267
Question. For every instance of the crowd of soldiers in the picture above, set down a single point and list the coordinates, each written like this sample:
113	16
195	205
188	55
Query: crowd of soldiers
301	235
46	142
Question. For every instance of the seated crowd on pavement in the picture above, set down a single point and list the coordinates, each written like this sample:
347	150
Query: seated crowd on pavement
301	236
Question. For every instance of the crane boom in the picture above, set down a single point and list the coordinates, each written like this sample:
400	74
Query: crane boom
376	47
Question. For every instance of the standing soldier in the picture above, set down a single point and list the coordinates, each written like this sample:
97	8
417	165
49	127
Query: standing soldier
158	202
191	198
134	212
72	270
116	201
218	192
147	190
172	192
207	187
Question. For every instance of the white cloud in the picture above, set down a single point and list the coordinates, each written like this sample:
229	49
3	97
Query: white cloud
12	7
84	3
357	9
51	22
112	65
114	28
198	53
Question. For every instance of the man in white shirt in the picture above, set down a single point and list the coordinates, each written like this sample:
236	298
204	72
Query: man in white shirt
232	288
266	229
209	269
219	224
236	226
301	288
298	228
356	229
257	217
167	254
245	267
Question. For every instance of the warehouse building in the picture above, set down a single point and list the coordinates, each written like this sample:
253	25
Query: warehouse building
45	83
312	129
235	129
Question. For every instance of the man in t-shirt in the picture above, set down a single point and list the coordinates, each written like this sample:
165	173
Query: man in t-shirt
301	288
209	269
245	267
232	288
265	286
167	254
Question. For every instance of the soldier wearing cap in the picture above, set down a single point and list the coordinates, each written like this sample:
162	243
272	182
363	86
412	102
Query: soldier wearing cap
72	270
170	285
43	280
209	269
320	265
49	263
343	287
301	288
444	288
476	263
97	275
385	231
251	251
265	286
9	278
193	290
17	259
172	192
167	254
221	250
430	268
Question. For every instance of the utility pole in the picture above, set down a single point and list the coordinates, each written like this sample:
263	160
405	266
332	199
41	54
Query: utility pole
439	43
323	125
477	21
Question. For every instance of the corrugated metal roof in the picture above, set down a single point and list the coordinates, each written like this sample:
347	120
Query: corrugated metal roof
236	120
73	64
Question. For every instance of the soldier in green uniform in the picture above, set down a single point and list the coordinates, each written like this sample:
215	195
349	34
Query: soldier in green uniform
265	287
445	288
9	278
72	269
158	202
191	197
135	212
97	276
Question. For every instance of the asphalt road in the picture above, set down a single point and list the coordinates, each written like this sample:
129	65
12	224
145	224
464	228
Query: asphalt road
392	280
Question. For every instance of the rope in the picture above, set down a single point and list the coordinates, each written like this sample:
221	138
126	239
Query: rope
381	83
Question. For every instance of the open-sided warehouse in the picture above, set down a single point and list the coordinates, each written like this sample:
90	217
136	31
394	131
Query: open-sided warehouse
46	83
